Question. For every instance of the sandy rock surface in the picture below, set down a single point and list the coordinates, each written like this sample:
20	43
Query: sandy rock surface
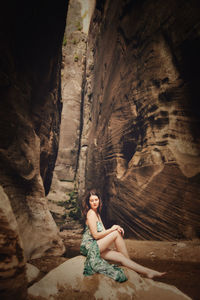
67	282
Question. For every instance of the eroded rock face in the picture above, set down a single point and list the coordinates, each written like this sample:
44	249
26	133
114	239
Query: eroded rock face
73	72
72	76
68	282
12	264
30	112
144	144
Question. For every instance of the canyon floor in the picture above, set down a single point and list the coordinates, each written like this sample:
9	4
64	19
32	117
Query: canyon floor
181	261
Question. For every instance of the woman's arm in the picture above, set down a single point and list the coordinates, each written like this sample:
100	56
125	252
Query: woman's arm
118	228
92	223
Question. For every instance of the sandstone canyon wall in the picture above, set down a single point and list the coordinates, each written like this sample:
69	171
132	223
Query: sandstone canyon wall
74	50
30	113
142	130
63	190
73	72
13	273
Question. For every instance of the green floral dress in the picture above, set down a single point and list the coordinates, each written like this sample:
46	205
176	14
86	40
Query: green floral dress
94	263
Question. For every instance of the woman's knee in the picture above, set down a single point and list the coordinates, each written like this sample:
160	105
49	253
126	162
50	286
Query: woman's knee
113	234
116	234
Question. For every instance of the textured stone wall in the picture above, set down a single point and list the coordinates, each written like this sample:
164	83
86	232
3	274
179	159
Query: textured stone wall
66	173
73	71
13	273
72	74
30	112
144	143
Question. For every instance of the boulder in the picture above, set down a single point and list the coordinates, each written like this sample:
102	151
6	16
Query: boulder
32	272
68	282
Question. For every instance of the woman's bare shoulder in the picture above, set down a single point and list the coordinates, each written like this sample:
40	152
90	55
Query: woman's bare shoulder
90	213
90	217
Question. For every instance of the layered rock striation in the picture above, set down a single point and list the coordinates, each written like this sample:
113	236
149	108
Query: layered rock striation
30	113
143	145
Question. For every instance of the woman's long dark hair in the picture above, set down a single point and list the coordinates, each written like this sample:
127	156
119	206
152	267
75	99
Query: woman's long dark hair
86	204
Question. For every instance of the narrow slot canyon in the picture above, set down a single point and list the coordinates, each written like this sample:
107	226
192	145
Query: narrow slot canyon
99	94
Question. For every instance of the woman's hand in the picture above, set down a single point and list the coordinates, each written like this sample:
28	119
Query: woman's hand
118	228
121	230
114	227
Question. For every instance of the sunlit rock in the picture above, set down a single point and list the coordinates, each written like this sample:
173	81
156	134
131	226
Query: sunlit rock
67	282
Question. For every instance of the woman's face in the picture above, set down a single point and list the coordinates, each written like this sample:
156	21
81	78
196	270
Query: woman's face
94	202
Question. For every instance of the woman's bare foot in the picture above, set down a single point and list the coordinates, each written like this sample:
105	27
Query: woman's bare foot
152	274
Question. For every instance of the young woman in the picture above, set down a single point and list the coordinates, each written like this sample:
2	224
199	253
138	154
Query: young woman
96	241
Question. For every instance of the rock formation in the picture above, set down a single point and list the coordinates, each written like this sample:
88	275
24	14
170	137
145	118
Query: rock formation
67	282
140	138
143	143
12	264
72	73
73	70
31	41
32	273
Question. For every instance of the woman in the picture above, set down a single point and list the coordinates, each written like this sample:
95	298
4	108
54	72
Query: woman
96	241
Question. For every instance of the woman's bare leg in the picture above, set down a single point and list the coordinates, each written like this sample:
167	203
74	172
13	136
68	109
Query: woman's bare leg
115	237
127	262
121	246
